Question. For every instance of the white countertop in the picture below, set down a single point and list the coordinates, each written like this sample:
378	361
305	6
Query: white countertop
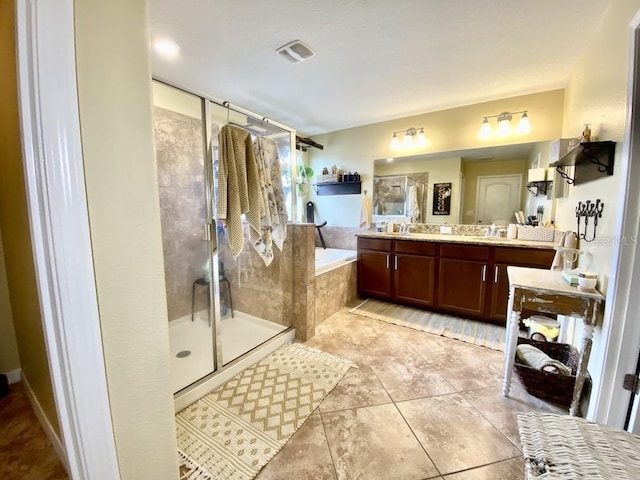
466	239
547	281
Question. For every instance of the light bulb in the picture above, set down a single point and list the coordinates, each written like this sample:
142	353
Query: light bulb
485	130
524	125
409	136
422	138
504	125
395	143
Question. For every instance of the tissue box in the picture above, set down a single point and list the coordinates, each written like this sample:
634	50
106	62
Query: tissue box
327	178
541	234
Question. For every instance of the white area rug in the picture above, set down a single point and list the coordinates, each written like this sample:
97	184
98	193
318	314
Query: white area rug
478	333
233	431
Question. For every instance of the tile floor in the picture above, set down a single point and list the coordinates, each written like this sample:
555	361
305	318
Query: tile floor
418	407
25	450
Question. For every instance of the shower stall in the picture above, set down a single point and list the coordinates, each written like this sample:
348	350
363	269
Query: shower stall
224	298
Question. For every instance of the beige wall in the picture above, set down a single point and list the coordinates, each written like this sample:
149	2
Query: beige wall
455	129
596	94
9	359
114	89
16	237
472	170
441	170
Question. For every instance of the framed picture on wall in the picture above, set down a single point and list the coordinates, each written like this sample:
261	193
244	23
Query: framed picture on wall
442	199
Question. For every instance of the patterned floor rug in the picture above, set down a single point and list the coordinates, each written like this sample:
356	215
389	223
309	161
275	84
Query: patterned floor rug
233	431
478	333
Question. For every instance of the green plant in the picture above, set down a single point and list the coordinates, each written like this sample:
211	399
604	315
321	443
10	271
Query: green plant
304	174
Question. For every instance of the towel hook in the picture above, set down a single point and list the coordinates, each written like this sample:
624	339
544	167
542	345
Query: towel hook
365	192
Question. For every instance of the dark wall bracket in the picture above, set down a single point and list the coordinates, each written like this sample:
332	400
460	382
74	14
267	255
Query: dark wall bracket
591	161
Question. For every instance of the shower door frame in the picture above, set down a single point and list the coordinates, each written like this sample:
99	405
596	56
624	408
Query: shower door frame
221	372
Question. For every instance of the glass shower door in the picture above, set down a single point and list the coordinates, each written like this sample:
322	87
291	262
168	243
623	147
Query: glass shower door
185	207
254	294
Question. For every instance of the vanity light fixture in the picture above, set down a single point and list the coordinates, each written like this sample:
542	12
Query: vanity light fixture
504	125
413	137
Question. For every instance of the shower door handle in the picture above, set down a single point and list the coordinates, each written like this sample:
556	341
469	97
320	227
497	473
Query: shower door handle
206	232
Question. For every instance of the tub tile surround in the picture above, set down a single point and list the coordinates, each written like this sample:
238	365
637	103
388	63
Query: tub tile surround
317	297
334	290
304	281
371	427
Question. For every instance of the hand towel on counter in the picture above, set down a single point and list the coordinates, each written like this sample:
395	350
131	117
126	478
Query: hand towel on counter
536	358
567	239
366	212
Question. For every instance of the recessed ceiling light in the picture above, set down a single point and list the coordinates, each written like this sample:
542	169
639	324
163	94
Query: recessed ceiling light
166	47
390	159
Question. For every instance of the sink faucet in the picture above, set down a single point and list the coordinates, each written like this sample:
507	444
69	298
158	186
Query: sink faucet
492	231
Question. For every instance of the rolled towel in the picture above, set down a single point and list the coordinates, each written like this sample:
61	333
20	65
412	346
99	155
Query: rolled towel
536	358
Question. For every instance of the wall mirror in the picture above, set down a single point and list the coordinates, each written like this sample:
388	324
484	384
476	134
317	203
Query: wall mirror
487	184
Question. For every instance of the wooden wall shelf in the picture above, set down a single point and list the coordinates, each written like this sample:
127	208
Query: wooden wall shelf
338	188
592	160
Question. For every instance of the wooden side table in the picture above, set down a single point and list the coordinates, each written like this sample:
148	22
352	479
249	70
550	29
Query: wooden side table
545	291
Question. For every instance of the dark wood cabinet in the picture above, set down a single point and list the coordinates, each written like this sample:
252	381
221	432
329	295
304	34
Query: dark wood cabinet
413	279
462	286
499	293
374	272
462	279
519	257
402	271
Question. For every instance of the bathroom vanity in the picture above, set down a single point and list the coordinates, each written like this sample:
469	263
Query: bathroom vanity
461	275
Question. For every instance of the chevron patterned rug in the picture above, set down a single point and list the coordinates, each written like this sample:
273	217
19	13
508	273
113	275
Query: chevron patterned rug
484	334
233	431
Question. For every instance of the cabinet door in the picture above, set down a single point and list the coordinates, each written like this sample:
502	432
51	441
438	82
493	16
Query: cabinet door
374	274
462	286
413	279
499	293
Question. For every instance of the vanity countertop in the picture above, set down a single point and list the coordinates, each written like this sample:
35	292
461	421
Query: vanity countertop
466	239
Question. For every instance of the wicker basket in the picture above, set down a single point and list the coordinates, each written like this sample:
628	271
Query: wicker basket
546	385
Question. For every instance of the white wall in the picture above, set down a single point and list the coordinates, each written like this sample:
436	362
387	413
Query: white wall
448	130
114	91
596	94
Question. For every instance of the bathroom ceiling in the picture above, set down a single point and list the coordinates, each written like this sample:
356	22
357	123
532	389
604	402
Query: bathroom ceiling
375	60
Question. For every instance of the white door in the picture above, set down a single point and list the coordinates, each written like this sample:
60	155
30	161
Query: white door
497	198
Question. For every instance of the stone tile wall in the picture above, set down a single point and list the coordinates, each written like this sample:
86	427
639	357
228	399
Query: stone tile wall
180	165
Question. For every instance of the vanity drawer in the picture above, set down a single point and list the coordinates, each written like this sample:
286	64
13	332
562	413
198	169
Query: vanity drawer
464	252
427	249
534	257
378	244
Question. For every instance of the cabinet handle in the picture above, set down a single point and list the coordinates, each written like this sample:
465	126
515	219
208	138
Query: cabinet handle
395	263
495	274
484	273
387	262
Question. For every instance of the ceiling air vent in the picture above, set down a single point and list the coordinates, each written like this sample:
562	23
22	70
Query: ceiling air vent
296	51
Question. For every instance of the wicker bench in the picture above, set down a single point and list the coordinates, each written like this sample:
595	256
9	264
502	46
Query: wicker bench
563	447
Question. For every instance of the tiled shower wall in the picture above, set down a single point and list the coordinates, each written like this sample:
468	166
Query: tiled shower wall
180	165
258	290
